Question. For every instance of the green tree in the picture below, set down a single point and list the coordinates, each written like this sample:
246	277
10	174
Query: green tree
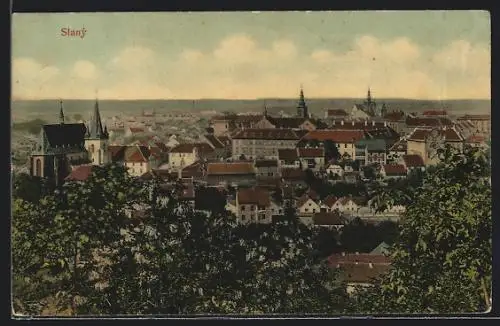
442	258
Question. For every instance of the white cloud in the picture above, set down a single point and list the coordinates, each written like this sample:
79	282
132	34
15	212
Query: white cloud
85	70
240	67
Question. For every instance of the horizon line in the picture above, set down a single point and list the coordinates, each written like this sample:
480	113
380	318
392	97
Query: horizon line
249	99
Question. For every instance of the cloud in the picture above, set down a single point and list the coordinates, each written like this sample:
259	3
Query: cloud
238	66
85	70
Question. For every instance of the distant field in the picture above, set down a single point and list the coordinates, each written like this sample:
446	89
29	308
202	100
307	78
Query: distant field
23	110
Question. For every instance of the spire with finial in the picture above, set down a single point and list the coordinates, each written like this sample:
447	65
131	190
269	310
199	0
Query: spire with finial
95	130
302	107
369	96
61	113
265	109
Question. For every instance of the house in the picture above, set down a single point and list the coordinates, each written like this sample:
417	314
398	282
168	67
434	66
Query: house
393	171
481	122
307	206
327	204
344	139
335	170
397	151
221	147
359	270
295	177
312	158
137	159
231	173
348	204
183	155
262	143
396	120
333	220
370	151
413	162
288	158
253	205
266	168
231	207
426	142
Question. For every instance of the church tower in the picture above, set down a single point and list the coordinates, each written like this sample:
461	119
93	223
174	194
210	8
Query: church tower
370	105
61	113
302	106
97	139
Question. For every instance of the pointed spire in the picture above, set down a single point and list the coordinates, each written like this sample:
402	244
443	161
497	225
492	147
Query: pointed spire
95	129
265	109
61	113
369	96
302	107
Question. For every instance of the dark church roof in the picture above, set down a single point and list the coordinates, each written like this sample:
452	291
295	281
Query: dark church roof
72	134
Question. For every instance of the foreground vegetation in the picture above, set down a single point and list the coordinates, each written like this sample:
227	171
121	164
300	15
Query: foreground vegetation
77	251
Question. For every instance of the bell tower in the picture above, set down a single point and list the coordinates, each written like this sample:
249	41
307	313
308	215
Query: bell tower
97	139
302	110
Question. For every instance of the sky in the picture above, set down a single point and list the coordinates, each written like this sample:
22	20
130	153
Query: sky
248	55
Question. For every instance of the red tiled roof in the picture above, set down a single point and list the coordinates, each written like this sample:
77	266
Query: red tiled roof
137	130
256	196
337	136
302	200
336	113
288	154
137	154
278	134
194	170
357	125
394	169
80	173
311	152
291	122
449	134
413	160
312	194
230	168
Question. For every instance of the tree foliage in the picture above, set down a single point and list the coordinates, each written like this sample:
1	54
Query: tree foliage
80	250
442	259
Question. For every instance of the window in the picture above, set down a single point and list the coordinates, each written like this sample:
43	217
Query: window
306	209
92	148
314	210
38	168
140	164
242	207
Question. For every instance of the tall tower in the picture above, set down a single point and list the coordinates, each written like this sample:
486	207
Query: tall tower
301	106
370	105
61	113
96	139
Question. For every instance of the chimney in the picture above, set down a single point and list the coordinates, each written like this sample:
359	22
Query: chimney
333	124
385	123
343	253
366	122
373	123
179	173
342	122
370	265
353	122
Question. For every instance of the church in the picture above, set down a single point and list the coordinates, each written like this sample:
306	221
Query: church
63	146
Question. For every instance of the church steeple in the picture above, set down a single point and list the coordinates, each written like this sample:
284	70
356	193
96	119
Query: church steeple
95	130
301	106
265	109
369	96
61	113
